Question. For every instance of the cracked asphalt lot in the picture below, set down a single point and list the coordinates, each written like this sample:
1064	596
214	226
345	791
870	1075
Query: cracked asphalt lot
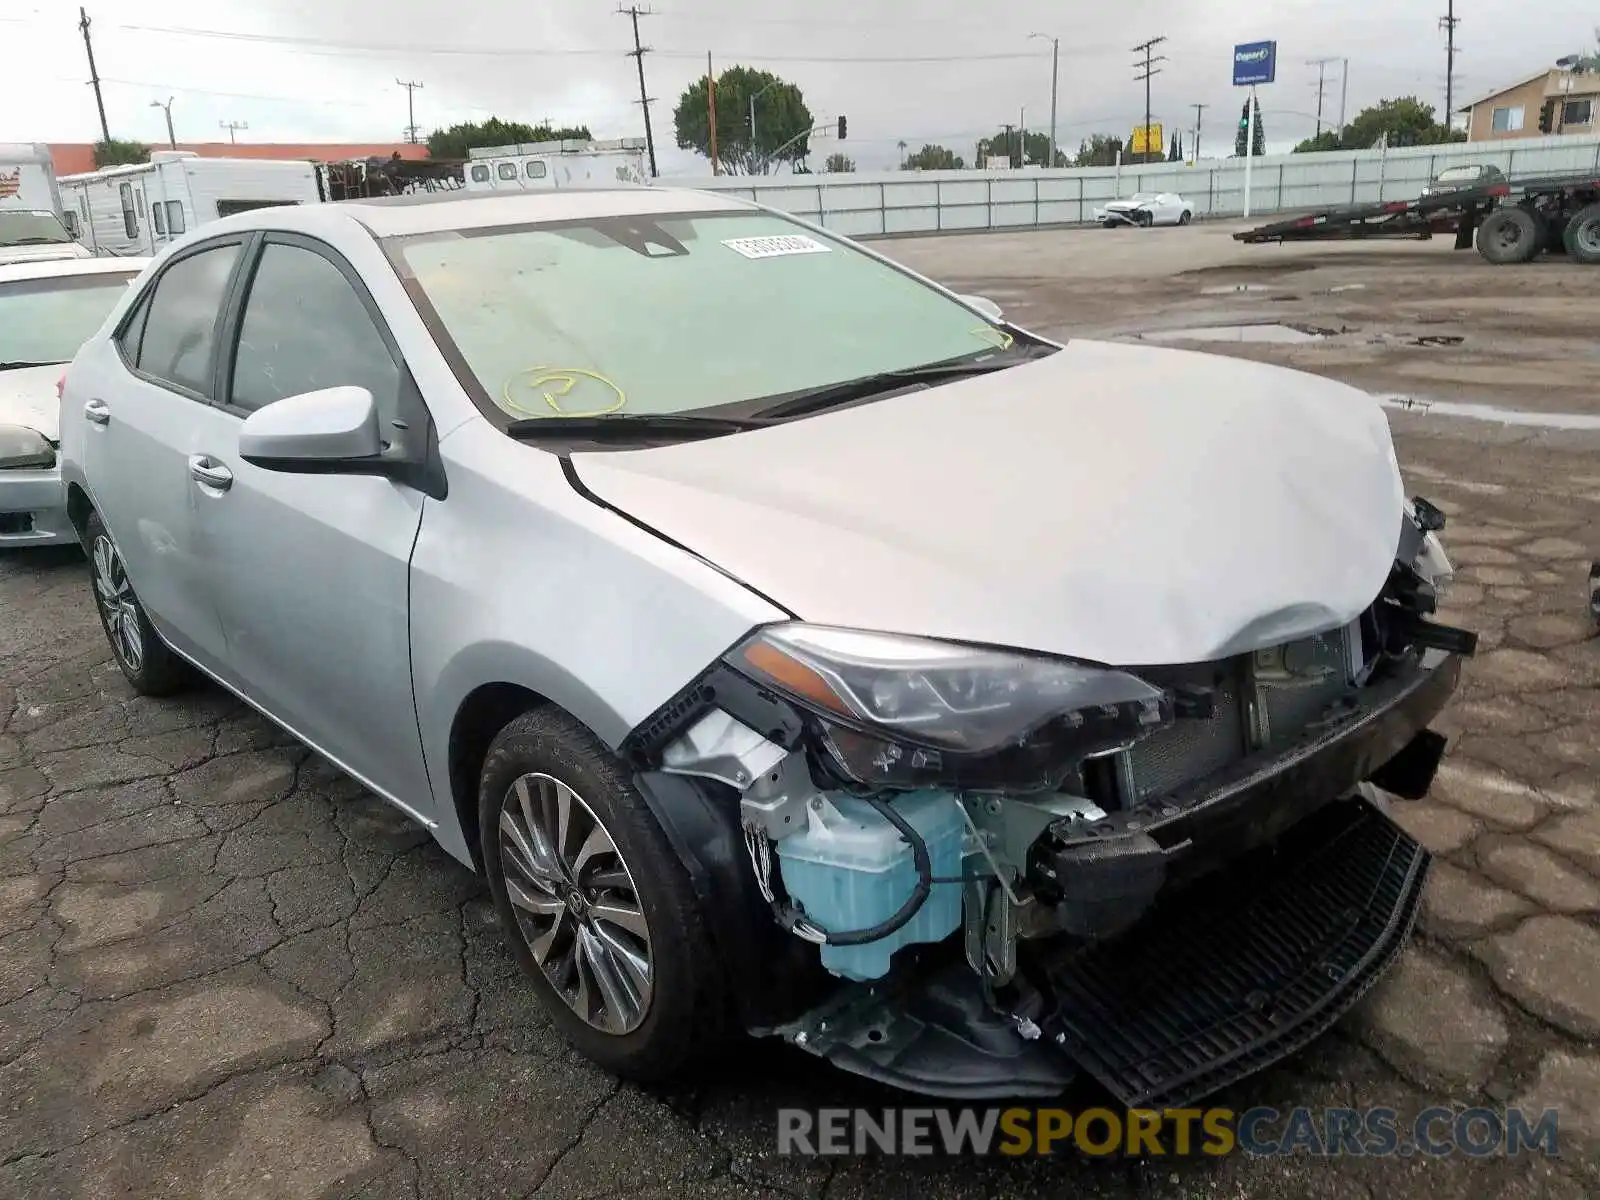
225	970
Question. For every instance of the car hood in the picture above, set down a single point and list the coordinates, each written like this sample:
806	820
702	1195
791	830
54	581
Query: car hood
1125	205
28	397
43	252
1126	504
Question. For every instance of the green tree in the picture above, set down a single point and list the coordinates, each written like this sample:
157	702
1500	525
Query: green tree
1175	152
1100	150
782	121
1007	145
1260	141
455	141
838	162
1405	121
934	158
119	153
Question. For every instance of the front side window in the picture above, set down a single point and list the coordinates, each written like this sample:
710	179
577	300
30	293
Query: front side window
1507	120
180	329
506	170
47	320
674	314
130	214
305	329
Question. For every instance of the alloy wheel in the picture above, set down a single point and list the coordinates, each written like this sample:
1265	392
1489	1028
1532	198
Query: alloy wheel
576	904
118	604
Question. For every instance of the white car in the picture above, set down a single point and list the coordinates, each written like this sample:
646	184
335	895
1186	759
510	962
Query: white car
31	235
48	308
1146	208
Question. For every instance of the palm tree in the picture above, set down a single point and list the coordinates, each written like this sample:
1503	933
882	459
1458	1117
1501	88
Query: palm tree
902	146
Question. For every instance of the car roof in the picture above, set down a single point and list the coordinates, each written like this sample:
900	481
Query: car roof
50	268
440	212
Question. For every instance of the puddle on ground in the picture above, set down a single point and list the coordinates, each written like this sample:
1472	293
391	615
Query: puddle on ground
1267	331
1233	289
1491	412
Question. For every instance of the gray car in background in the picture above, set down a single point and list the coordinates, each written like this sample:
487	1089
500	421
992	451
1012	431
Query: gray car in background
794	646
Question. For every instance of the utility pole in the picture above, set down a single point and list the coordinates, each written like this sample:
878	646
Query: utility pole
1055	78
1321	64
1009	128
637	54
1198	109
1147	70
1448	23
172	139
233	127
711	113
94	75
411	87
1344	92
1022	136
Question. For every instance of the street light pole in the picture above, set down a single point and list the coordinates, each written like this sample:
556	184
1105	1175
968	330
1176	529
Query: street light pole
167	107
1055	79
753	100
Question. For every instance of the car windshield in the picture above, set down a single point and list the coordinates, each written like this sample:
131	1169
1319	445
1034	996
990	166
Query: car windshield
1458	174
46	320
673	314
28	228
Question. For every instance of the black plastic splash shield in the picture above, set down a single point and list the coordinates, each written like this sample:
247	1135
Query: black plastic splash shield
1242	969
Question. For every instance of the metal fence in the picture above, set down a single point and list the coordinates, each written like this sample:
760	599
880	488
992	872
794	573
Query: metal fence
910	202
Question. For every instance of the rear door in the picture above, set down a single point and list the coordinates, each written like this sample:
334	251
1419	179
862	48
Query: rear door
144	406
311	572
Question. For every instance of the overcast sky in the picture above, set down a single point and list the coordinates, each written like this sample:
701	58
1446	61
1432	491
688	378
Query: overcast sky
326	71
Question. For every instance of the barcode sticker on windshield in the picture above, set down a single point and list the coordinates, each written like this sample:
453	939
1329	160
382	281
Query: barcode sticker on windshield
776	246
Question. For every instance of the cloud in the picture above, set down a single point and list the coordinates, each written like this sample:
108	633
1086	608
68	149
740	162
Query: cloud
296	72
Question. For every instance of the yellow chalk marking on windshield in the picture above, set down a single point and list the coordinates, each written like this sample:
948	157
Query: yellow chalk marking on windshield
558	382
1005	339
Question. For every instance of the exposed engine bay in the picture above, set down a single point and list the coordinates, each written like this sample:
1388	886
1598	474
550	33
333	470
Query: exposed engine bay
994	895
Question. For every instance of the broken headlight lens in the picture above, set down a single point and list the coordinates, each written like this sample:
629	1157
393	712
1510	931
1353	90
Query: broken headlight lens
24	447
915	712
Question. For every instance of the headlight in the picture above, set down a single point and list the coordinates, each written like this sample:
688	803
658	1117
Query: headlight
897	711
24	447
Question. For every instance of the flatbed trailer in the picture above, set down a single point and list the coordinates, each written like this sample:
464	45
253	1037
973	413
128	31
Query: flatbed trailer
1509	222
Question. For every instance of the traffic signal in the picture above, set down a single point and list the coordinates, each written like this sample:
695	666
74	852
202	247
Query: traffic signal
842	127
1547	117
1244	116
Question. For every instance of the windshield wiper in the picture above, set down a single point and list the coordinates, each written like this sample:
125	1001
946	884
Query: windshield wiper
626	427
832	395
19	363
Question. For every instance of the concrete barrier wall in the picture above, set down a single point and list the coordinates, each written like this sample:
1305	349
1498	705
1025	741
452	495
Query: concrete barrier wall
914	202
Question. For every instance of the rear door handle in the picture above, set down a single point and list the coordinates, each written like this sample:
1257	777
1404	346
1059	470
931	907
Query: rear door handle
97	411
207	470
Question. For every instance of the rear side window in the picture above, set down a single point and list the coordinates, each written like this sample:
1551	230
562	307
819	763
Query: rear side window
180	328
305	328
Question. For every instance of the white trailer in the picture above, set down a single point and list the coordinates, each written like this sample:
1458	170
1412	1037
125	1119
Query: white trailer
32	221
139	209
537	166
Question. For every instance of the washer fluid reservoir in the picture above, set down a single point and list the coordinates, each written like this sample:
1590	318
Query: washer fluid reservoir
850	869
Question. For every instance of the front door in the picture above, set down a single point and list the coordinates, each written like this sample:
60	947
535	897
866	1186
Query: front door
145	401
311	571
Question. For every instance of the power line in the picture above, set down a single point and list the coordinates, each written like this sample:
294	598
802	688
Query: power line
411	87
1148	70
1321	64
94	75
1448	23
637	54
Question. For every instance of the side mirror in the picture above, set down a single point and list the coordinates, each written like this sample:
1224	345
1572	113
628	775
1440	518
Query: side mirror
984	305
331	431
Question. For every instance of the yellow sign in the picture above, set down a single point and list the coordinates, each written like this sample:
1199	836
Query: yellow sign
1147	139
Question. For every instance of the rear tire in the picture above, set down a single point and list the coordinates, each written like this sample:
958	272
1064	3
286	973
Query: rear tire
1509	235
608	930
1582	235
146	661
1184	217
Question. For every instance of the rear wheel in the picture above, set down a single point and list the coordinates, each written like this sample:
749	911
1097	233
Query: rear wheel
1582	235
1183	217
145	660
1509	235
597	908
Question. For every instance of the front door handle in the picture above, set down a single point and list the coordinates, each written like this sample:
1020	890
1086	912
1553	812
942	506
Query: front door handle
97	411
207	470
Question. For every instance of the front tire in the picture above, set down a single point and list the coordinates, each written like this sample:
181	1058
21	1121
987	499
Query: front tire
146	661
1184	218
594	903
1509	235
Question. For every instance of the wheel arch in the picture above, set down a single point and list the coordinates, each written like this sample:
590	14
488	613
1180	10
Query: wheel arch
79	506
482	714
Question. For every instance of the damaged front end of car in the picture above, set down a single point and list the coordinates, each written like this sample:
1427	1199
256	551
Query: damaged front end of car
975	873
